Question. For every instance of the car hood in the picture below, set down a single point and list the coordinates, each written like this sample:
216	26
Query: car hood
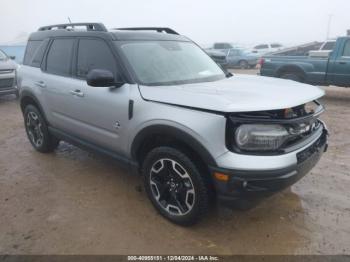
7	64
235	94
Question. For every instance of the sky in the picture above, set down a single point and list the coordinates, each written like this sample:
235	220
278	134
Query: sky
246	22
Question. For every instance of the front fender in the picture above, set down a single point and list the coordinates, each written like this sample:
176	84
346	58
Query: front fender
182	134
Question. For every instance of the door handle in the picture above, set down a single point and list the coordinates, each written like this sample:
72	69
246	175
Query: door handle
77	93
342	63
40	84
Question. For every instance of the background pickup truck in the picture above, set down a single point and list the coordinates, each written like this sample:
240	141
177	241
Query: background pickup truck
331	69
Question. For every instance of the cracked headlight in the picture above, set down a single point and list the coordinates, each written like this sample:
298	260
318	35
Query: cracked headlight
252	137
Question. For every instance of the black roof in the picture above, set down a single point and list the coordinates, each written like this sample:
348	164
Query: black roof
99	30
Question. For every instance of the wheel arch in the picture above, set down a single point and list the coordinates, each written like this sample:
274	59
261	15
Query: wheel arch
152	136
291	69
28	98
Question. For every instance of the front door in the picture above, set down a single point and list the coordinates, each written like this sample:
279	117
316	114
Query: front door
101	113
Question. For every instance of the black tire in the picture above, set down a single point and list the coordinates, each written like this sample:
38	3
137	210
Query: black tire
292	76
186	202
243	64
37	131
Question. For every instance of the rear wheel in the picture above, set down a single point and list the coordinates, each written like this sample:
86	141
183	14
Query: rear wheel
292	76
37	131
175	186
243	64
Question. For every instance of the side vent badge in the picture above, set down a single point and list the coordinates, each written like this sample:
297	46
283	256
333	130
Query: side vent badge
116	125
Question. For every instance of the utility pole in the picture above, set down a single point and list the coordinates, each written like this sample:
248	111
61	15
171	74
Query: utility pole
348	32
329	26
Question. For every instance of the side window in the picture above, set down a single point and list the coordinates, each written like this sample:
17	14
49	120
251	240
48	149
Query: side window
94	54
346	51
32	46
60	56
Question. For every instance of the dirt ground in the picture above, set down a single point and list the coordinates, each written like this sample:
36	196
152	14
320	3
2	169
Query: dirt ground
75	202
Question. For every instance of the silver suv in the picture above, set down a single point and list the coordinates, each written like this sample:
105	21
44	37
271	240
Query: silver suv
154	101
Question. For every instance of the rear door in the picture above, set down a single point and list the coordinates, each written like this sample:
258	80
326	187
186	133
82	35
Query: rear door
56	83
339	68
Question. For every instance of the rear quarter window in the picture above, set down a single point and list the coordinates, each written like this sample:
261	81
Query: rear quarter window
32	46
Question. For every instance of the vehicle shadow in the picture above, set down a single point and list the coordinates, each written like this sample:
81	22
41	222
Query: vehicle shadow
273	225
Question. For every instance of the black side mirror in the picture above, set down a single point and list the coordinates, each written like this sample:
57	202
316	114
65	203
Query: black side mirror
102	78
12	57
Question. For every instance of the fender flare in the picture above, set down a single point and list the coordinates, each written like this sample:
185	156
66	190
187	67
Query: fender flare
27	94
176	133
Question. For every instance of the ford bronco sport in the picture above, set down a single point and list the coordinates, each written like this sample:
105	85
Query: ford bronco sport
153	100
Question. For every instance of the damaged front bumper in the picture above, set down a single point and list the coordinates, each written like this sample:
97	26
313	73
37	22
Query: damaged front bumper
262	176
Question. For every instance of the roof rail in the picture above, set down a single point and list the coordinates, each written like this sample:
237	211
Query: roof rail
89	26
158	29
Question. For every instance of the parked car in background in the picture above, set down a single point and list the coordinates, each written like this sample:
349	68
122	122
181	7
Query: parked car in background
218	56
223	47
241	58
234	57
16	51
333	69
267	48
7	75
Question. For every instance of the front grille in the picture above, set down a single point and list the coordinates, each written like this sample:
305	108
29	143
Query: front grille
6	71
6	83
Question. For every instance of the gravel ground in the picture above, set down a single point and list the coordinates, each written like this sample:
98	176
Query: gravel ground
76	202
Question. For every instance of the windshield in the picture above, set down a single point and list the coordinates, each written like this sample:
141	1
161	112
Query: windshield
170	63
2	56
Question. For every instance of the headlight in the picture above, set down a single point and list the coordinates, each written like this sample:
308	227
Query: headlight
260	137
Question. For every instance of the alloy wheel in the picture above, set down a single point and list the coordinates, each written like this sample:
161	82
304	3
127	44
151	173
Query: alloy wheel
172	187
34	126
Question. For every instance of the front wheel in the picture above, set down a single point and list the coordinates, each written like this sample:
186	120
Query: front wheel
37	130
175	186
